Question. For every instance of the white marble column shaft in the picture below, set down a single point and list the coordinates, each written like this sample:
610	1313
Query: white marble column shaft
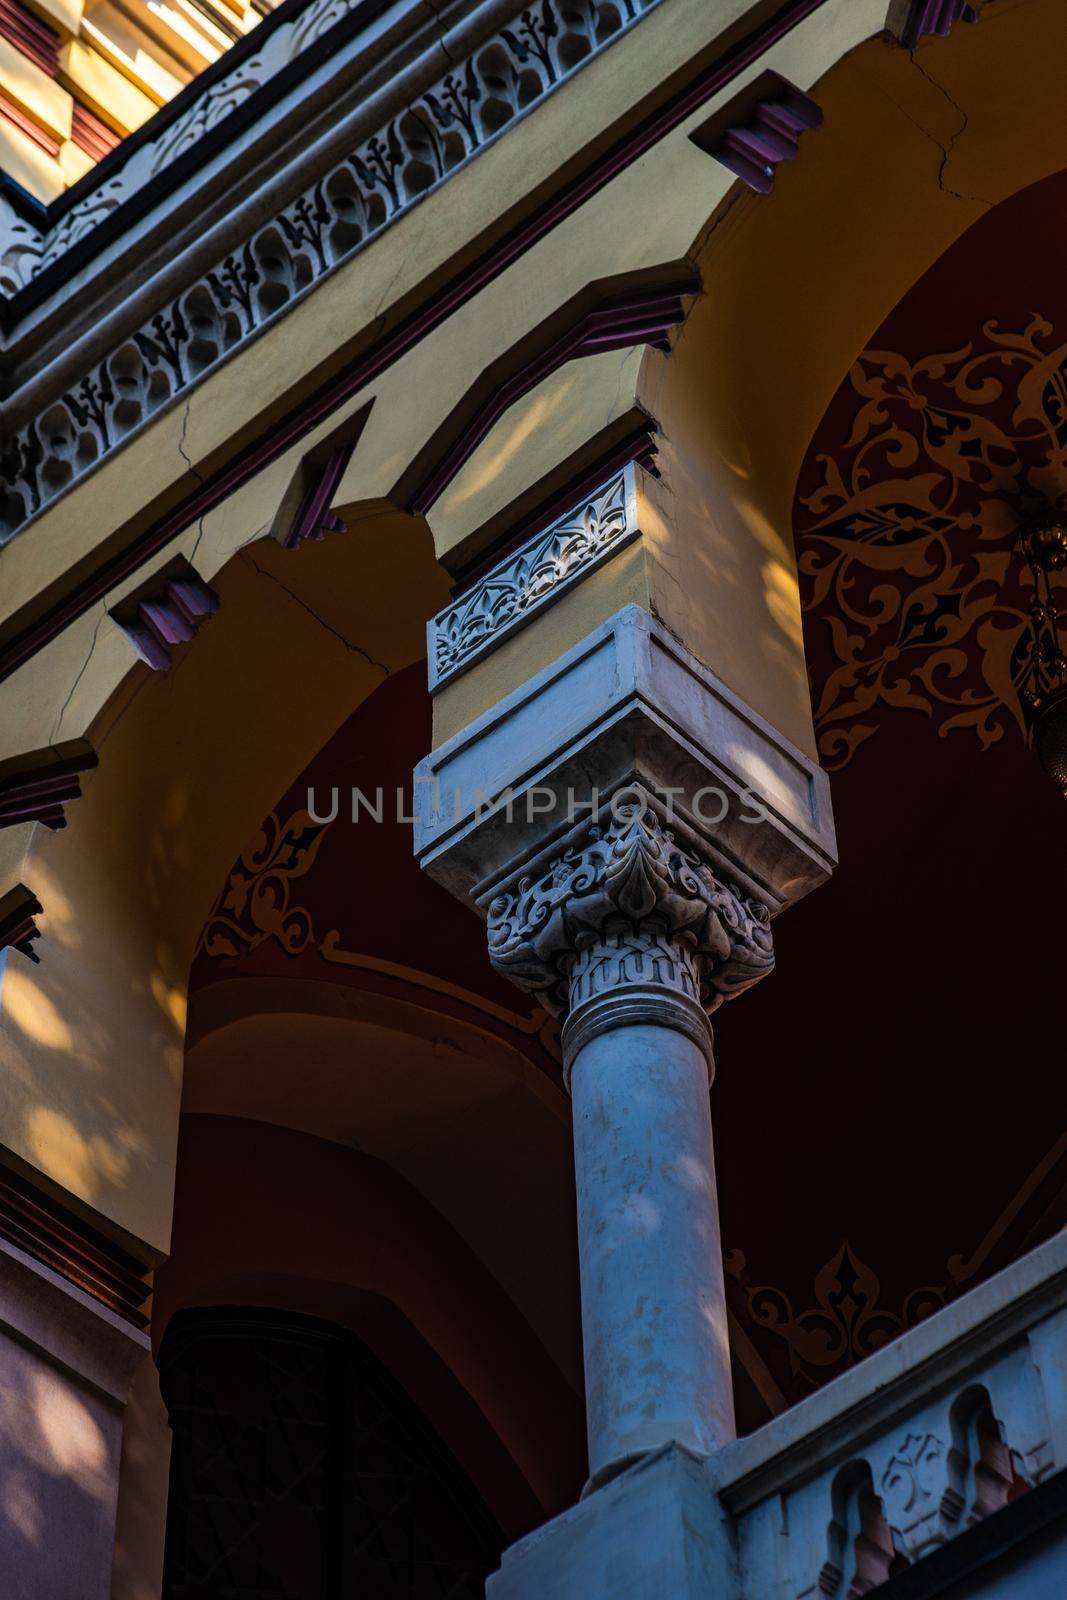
631	938
657	1364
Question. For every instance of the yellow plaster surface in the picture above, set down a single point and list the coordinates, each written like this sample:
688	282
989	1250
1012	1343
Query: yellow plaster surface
64	14
191	760
549	425
74	162
102	86
722	583
28	164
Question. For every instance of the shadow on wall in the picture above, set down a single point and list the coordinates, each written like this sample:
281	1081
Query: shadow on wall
266	1216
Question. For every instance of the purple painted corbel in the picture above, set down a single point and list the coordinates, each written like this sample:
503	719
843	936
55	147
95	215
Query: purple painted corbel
17	928
168	616
934	16
753	151
36	787
314	519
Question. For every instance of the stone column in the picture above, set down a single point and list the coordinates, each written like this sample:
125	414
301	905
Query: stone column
631	938
699	824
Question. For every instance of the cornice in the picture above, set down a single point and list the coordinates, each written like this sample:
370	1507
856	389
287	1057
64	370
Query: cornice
55	1236
30	630
72	418
221	104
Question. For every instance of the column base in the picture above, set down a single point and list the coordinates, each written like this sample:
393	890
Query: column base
655	1532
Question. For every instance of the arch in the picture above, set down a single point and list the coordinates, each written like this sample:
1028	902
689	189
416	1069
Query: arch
299	1462
982	1473
271	1217
859	1543
191	760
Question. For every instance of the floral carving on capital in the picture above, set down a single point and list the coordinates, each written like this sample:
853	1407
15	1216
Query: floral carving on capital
628	904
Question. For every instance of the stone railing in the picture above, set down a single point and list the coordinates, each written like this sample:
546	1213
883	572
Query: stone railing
925	1439
936	1455
504	58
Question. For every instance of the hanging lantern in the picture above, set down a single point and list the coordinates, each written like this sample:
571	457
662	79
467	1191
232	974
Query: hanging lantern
1044	688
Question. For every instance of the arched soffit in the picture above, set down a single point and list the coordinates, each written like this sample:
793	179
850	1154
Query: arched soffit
190	761
268	1216
914	147
328	892
338	990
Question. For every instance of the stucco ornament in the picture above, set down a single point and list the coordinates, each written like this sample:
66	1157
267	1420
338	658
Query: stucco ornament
629	906
444	123
536	575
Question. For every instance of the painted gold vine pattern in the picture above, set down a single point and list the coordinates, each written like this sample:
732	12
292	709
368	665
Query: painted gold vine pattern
847	1322
257	902
907	538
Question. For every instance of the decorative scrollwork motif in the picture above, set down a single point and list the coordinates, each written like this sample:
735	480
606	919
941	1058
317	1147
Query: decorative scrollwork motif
847	1322
257	902
451	120
629	904
532	578
20	249
908	540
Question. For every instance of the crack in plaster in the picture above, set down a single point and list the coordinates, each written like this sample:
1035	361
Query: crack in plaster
435	13
356	649
945	149
195	473
81	673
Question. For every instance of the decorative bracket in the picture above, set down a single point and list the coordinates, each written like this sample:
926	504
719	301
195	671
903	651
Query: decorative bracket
36	787
759	129
314	519
17	928
166	614
939	17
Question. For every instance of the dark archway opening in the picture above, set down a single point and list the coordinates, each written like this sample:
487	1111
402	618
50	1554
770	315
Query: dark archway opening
300	1470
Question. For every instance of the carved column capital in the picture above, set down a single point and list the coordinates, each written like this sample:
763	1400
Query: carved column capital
628	925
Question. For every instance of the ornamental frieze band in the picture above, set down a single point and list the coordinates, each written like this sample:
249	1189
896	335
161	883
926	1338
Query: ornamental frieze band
418	148
546	565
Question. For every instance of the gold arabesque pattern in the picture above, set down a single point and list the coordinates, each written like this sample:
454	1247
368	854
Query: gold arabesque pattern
907	534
